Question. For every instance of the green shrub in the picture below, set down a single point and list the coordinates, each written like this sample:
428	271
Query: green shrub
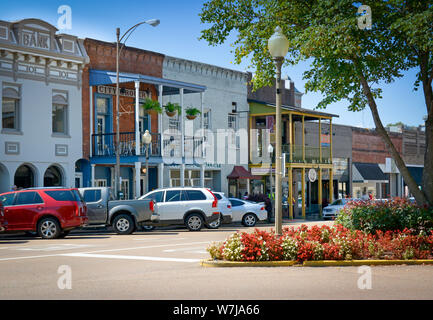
395	214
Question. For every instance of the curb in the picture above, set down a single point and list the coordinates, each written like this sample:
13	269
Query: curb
219	263
321	263
342	263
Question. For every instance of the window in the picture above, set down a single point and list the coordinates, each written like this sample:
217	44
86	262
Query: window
218	196
233	126
61	195
92	195
7	199
100	182
60	112
206	120
192	178
174	195
174	124
124	188
195	195
155	196
236	203
25	198
10	108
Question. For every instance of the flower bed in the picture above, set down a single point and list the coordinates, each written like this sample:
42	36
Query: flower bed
323	243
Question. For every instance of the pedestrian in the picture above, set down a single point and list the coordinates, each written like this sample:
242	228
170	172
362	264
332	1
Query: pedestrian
245	197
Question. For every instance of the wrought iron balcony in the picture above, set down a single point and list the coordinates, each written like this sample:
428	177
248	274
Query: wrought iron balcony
312	154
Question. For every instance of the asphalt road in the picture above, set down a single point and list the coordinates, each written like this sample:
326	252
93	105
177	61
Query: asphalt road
164	264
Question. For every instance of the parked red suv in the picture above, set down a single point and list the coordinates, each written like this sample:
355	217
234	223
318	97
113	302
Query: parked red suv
51	212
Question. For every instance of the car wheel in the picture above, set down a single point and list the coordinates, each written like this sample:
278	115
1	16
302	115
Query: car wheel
215	224
148	228
249	220
194	222
124	224
49	228
63	234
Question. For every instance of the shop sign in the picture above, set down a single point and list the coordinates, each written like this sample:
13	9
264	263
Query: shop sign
325	140
123	92
261	171
312	175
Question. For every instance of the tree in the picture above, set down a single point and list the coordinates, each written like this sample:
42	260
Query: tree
348	61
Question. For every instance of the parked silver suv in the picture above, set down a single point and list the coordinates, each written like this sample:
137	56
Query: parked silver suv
193	207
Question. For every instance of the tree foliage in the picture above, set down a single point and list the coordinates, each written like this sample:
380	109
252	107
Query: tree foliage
347	62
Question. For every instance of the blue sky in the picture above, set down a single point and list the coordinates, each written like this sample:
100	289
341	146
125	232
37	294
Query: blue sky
178	34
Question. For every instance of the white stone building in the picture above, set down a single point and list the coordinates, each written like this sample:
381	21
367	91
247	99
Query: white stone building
40	91
225	108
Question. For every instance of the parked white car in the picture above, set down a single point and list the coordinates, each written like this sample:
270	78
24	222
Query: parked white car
225	208
193	207
331	211
248	212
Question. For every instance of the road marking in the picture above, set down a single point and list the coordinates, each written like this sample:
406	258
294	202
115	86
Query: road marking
147	247
29	257
184	249
63	246
122	257
146	239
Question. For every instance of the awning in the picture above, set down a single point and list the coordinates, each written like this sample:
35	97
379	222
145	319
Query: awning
104	77
240	172
416	173
368	172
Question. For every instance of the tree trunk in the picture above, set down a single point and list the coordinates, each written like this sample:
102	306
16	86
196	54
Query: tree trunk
427	176
413	187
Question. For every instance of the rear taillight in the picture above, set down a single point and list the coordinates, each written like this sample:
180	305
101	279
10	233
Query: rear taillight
229	206
215	202
77	210
262	208
151	206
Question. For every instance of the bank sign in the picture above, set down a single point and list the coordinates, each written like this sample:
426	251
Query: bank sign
35	40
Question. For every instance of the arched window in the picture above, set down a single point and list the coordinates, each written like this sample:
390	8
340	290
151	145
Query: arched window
53	177
24	177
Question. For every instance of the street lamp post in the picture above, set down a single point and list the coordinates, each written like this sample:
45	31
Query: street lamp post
147	139
271	214
153	23
278	46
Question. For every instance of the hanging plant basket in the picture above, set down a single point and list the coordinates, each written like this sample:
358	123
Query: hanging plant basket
191	113
170	114
151	105
171	109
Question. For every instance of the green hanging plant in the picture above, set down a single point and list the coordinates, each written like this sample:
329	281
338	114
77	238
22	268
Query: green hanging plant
191	113
151	105
172	108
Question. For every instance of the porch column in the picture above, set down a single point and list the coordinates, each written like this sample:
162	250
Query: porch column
160	130
137	192
331	186
137	126
182	143
91	120
161	175
320	191
92	176
320	141
291	137
303	138
202	168
303	192
290	200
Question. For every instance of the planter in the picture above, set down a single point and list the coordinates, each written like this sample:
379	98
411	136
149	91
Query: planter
170	113
191	117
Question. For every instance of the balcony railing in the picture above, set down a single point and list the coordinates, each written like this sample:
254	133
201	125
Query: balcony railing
104	144
172	146
312	154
